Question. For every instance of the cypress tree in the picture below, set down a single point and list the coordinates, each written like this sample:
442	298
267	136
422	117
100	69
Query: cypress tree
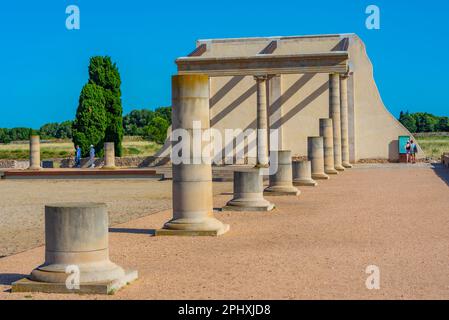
90	122
105	74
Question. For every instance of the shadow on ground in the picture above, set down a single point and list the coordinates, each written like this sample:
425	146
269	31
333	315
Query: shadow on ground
7	278
441	171
150	232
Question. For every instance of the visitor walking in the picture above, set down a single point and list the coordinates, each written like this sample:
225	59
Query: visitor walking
408	150
77	156
92	156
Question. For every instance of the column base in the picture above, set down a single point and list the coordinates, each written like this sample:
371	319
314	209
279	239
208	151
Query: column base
185	227
331	171
305	183
347	165
281	191
339	168
109	168
265	206
261	165
320	176
105	287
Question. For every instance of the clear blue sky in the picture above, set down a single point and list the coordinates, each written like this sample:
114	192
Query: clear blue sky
44	65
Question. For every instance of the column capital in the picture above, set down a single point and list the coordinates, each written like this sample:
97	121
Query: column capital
344	75
261	77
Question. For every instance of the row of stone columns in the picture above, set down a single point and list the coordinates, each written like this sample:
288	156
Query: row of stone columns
338	122
192	184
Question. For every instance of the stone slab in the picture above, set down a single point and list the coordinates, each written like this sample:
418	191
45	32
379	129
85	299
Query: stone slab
261	209
305	184
281	193
83	174
110	287
189	233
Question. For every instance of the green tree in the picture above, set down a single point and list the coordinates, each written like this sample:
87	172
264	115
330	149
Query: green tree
425	122
89	126
443	124
64	130
49	130
408	121
135	122
164	112
4	135
104	73
157	129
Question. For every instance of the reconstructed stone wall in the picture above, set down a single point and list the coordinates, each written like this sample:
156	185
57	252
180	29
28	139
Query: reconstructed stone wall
297	102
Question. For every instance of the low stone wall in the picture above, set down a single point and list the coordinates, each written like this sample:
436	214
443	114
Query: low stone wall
132	162
6	163
14	164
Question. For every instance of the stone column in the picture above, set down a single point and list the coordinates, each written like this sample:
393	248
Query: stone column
326	131
248	192
262	121
76	241
302	174
281	183
344	121
35	153
315	153
334	114
192	174
109	155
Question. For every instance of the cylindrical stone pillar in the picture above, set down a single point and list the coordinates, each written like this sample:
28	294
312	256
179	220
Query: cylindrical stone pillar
326	131
281	183
109	155
334	114
344	121
35	153
76	236
302	174
248	192
192	173
315	153
262	121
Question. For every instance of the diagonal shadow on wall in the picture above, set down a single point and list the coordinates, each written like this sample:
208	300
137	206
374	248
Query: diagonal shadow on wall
295	87
304	103
223	113
287	95
225	89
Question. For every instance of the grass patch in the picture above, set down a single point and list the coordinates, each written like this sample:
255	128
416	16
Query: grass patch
65	149
434	147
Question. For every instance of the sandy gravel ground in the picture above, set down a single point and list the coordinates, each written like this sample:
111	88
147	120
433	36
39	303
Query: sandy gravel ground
315	246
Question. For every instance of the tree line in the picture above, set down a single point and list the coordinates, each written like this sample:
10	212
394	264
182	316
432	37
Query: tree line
423	122
99	115
148	124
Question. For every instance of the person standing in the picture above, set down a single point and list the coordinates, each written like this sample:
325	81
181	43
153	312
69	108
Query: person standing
77	156
92	156
413	150
408	150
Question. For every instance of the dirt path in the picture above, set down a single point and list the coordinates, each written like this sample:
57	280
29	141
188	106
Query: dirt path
315	246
